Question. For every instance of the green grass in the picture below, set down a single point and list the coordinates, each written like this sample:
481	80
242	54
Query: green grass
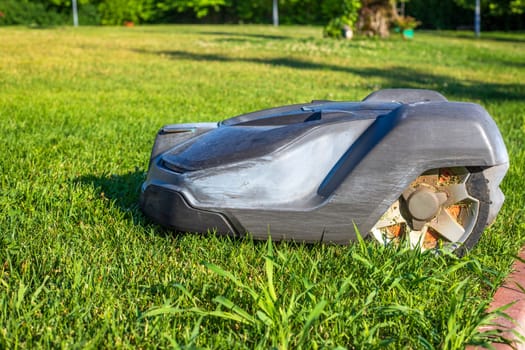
81	267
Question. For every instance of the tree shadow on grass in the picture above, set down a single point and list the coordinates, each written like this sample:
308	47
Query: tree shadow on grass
234	40
397	76
246	35
486	36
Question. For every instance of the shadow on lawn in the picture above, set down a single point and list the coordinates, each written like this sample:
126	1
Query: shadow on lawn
246	35
487	36
122	190
392	76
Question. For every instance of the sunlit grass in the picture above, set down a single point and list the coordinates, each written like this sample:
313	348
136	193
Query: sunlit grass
80	266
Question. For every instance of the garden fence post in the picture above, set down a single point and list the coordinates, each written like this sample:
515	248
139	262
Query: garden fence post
477	19
275	13
75	13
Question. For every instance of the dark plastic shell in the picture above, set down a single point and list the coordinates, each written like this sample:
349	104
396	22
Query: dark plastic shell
314	171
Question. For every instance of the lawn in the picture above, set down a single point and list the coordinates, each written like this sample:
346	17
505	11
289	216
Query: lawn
81	267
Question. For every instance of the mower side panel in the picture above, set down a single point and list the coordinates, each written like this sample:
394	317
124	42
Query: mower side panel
405	143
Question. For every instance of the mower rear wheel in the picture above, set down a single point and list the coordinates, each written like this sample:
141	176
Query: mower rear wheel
443	208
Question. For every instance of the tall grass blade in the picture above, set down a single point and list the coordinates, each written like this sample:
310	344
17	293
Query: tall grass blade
230	305
156	311
310	319
269	265
361	241
22	289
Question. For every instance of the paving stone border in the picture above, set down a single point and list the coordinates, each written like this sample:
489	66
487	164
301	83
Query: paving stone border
510	292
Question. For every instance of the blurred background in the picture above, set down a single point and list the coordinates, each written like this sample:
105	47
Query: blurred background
430	14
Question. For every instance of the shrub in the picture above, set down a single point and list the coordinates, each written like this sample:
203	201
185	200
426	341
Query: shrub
406	22
88	14
120	11
344	15
337	28
32	13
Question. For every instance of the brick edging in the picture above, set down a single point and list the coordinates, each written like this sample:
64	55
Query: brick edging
508	293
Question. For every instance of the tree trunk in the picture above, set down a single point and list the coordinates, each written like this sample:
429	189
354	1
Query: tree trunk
376	16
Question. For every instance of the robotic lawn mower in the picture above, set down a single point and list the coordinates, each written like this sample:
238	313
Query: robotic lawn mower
401	163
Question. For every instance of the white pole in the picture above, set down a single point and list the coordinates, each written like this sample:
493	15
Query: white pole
477	19
275	13
75	13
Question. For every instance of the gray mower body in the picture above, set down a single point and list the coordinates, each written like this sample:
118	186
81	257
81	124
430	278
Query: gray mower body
316	171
